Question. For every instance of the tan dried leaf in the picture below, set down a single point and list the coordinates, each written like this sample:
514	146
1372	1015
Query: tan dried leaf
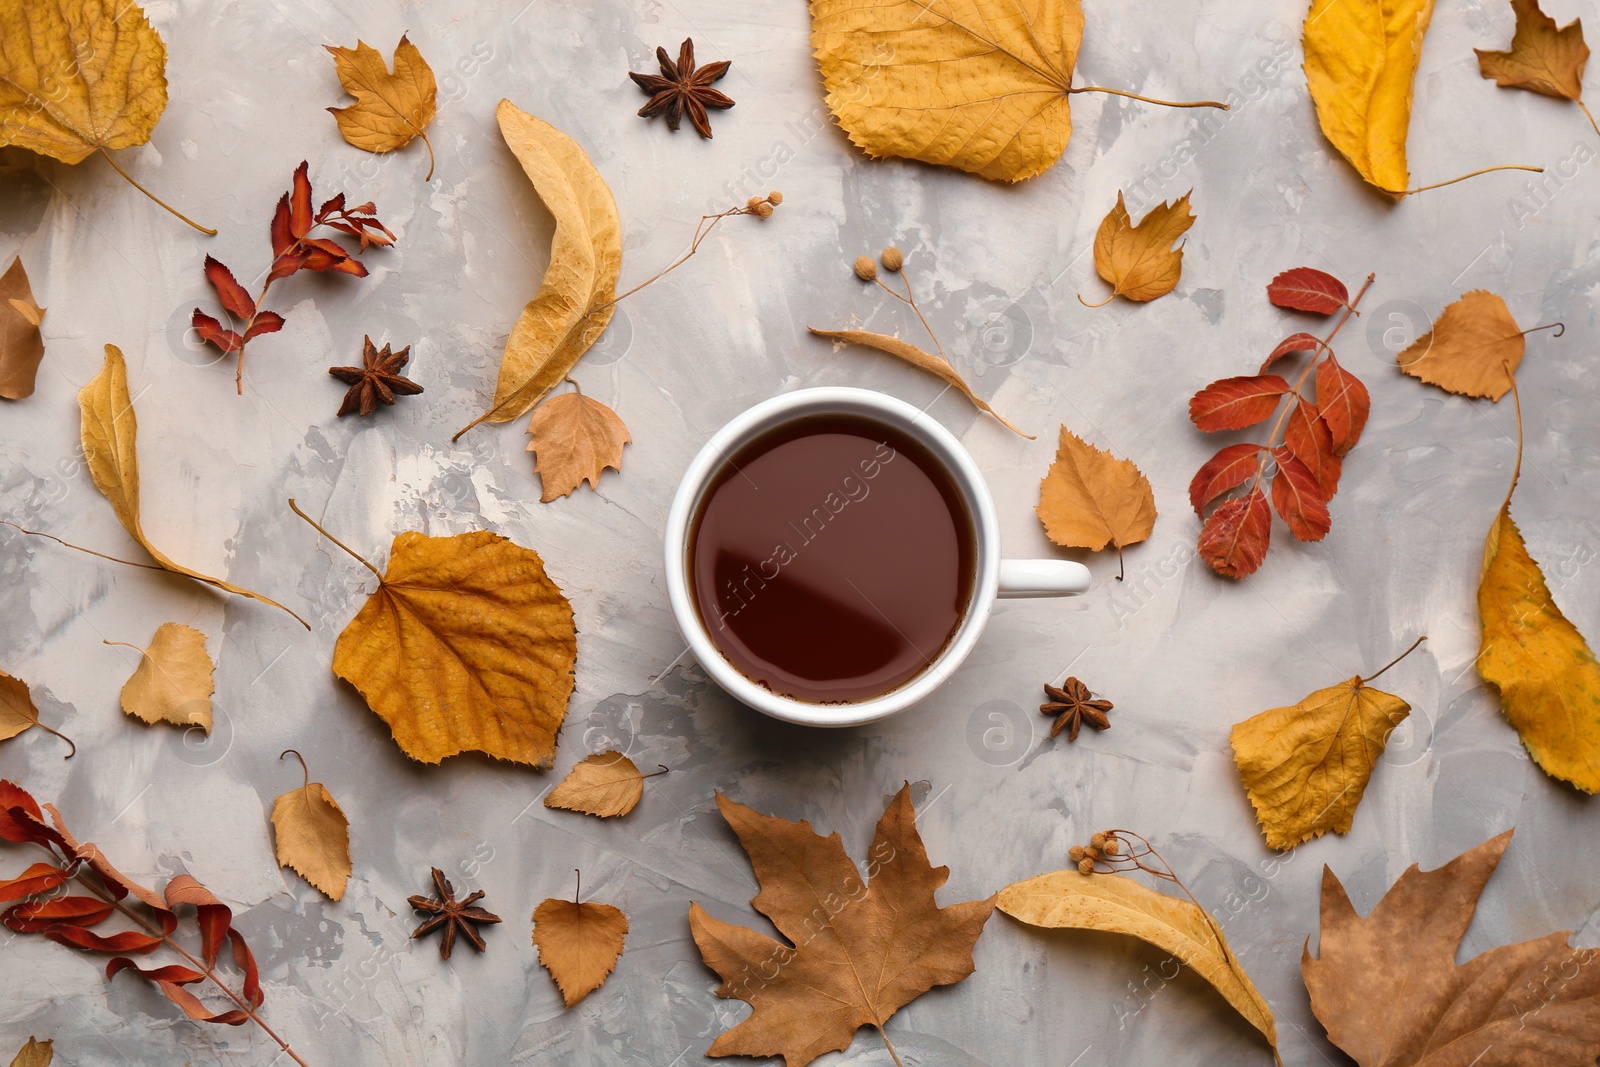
604	784
575	438
579	944
1090	498
910	353
21	344
391	110
1469	348
18	712
1542	58
34	1054
1138	261
313	837
173	682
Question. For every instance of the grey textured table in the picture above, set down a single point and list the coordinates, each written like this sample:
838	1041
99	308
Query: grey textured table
1183	654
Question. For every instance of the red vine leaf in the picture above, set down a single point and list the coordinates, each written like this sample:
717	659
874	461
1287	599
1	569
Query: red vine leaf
1308	289
1235	403
1345	404
1234	540
1298	497
1226	470
1307	436
1295	342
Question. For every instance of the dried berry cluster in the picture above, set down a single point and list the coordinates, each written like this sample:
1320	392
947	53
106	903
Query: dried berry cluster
1303	456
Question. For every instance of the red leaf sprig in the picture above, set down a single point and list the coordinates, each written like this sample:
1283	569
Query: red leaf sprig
68	919
1304	464
293	250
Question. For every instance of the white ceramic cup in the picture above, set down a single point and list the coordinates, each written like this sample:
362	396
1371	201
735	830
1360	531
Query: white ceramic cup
995	577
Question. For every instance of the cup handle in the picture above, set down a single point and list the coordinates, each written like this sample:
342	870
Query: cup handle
1023	578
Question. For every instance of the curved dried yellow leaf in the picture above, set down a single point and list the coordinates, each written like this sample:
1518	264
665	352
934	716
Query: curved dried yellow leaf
1361	64
466	646
391	110
976	84
21	344
173	682
1117	905
18	712
313	837
910	353
110	445
1306	767
1090	498
575	438
603	784
79	75
576	298
1139	262
579	944
1473	349
1542	58
34	1054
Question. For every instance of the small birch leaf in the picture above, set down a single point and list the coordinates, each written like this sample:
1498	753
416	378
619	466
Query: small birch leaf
579	944
173	682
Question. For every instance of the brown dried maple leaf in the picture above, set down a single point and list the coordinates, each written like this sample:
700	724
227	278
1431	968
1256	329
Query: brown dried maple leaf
863	949
1531	1004
378	378
682	88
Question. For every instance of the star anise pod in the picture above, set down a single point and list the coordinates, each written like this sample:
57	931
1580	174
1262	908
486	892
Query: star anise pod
1072	707
681	88
451	914
379	379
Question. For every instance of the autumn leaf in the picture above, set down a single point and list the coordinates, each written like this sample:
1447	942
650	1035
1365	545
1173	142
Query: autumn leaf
313	835
1474	348
1544	670
173	682
578	294
575	438
391	110
18	712
465	646
1089	498
1306	289
854	951
110	445
1234	540
21	344
1542	59
81	76
1113	904
1139	262
1306	767
1531	1004
1237	403
34	1054
915	356
980	85
579	944
604	784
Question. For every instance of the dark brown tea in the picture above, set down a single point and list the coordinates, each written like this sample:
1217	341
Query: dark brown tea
832	559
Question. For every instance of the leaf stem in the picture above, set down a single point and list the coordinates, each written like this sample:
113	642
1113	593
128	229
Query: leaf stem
1559	328
1397	659
203	229
49	730
1590	116
318	527
79	548
911	298
429	143
1102	303
306	770
1150	99
888	1044
1516	400
1464	177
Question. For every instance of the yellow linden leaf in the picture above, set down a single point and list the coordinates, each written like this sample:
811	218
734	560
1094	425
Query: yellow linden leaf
1139	262
1542	58
173	681
575	438
579	944
466	646
604	784
976	84
77	76
34	1054
1474	348
391	110
910	353
313	836
1114	904
18	712
1548	678
1306	767
110	445
578	294
21	345
1361	63
1090	498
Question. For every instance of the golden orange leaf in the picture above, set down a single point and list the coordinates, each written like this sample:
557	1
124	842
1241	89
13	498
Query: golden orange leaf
391	110
574	439
21	344
1138	261
173	682
1542	58
579	944
34	1054
1474	348
18	712
313	836
604	784
1090	498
